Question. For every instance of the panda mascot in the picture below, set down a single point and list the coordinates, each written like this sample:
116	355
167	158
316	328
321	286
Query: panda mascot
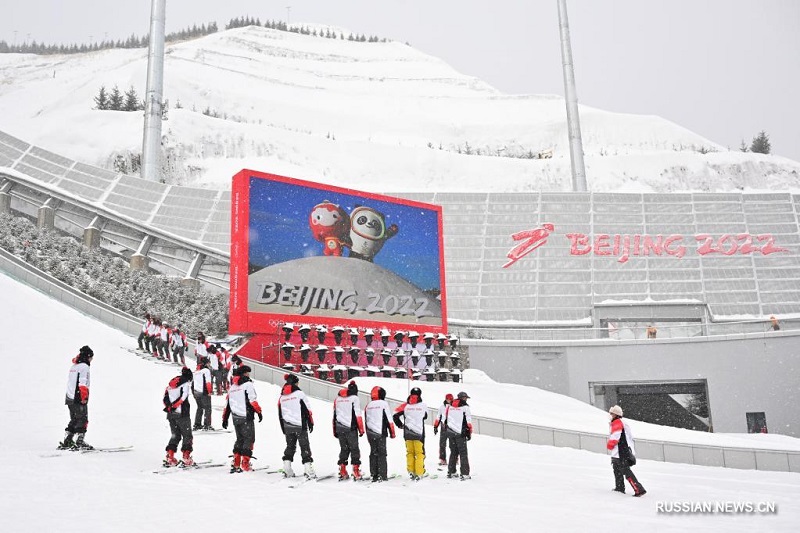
368	232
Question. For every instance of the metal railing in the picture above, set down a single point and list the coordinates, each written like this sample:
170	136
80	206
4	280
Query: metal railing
466	331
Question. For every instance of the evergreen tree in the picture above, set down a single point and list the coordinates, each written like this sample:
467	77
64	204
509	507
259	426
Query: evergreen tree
743	147
131	100
115	100
101	100
761	143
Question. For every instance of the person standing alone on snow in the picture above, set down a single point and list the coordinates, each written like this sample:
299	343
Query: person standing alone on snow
297	421
410	417
623	453
379	425
441	420
243	406
348	426
177	407
459	431
77	400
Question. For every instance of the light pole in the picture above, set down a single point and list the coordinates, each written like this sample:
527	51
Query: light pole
151	144
288	16
571	96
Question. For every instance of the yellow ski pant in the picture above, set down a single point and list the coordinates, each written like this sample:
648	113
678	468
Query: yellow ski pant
415	457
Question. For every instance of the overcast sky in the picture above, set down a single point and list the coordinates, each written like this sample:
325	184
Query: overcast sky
725	69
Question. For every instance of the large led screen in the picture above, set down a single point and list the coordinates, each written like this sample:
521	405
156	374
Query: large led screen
312	253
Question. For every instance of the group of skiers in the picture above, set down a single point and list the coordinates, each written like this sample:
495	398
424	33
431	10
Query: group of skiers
453	422
220	362
163	342
297	422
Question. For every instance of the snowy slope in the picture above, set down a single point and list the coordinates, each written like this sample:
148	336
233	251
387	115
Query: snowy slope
516	487
355	114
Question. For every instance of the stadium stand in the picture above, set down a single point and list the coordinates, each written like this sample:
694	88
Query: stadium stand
186	231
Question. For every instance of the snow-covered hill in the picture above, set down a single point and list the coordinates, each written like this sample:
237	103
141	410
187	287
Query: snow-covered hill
374	116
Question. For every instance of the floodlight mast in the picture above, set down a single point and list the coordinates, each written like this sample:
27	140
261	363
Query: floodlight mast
573	120
151	145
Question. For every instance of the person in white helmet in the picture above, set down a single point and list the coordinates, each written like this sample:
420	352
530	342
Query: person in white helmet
623	453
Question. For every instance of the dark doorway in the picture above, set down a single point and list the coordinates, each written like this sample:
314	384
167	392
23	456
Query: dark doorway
756	422
677	404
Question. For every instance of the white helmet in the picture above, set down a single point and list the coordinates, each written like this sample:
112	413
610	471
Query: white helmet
616	410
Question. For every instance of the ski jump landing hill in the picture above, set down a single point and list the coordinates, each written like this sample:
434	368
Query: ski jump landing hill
543	320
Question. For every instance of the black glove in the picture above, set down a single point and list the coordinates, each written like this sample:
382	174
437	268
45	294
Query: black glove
435	430
260	416
224	424
469	435
311	428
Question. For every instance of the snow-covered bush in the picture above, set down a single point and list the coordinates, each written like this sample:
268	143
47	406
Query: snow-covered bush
111	280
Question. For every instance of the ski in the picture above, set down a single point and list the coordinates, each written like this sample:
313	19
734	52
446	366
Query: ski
303	480
181	467
147	356
76	451
196	432
107	450
389	478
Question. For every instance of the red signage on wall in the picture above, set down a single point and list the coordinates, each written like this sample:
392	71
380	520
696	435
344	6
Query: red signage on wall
624	246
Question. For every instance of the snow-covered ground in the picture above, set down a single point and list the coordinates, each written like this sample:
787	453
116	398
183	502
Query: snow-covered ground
382	117
516	487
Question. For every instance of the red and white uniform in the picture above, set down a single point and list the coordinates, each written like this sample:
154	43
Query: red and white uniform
292	405
213	358
441	415
242	398
163	333
176	396
224	359
617	425
459	419
379	418
146	326
201	350
152	329
347	412
201	383
78	383
414	414
179	340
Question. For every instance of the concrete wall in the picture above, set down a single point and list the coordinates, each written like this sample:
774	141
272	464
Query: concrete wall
748	373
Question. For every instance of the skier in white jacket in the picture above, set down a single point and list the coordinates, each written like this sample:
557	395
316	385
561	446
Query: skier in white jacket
459	431
242	404
623	453
297	421
410	417
348	426
77	401
178	409
378	419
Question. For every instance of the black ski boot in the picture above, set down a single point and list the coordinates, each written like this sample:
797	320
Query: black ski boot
68	443
81	445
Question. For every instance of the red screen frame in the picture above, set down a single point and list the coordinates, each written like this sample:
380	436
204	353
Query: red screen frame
242	320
